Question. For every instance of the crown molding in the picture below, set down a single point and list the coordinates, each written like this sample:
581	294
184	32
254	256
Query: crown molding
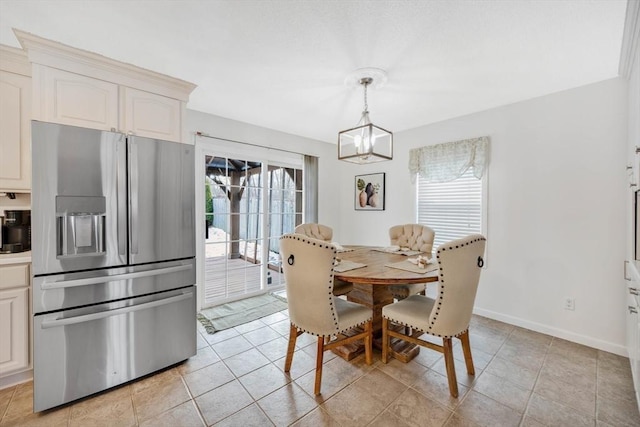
64	57
14	60
630	38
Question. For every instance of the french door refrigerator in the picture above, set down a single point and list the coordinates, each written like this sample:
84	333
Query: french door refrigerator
113	259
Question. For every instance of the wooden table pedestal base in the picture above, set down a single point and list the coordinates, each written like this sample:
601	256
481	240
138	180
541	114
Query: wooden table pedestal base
402	350
376	297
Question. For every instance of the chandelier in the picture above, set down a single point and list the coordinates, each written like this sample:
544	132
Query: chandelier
366	143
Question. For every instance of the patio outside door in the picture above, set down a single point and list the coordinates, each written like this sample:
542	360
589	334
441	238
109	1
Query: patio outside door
249	204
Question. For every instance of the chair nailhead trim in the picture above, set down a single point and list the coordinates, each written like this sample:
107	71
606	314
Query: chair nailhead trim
331	275
442	279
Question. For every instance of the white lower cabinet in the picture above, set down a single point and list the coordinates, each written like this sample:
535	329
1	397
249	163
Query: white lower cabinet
632	274
14	330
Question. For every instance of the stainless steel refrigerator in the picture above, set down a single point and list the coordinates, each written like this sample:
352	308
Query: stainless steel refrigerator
113	258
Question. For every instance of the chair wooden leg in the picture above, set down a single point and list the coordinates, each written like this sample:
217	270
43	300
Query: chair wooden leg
368	342
466	349
385	340
451	369
319	358
293	335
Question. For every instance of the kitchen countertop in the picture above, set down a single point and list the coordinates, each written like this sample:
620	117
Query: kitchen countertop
17	258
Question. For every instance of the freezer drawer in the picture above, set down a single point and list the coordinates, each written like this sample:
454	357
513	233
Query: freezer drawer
65	291
86	350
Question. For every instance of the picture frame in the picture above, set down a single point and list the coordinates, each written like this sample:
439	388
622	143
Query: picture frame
369	192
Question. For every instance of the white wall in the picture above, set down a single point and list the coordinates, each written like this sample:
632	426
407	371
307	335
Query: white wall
556	209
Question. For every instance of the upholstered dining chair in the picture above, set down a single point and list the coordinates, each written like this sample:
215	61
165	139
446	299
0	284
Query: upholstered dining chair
324	232
416	237
308	274
316	231
448	315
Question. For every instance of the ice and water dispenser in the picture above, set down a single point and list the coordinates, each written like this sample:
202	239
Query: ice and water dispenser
80	226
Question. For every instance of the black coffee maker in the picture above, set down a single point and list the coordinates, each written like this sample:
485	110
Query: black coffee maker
16	231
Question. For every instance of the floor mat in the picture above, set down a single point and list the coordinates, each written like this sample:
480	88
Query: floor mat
236	313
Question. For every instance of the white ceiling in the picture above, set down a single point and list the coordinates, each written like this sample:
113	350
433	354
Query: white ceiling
281	64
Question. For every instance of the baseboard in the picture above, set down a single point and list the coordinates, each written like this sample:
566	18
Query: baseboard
555	332
20	377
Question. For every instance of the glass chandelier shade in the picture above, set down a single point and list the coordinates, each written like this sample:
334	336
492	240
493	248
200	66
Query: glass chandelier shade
365	143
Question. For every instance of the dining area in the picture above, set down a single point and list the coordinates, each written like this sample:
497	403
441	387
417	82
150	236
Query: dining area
381	297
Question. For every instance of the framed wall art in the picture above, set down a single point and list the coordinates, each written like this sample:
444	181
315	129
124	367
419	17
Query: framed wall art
369	192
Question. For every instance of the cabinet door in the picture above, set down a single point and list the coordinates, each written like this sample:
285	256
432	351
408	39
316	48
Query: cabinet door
15	139
14	330
76	100
632	275
150	115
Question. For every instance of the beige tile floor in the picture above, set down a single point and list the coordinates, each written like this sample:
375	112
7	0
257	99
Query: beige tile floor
522	378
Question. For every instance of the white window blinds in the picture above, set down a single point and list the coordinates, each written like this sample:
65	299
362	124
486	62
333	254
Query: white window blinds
453	209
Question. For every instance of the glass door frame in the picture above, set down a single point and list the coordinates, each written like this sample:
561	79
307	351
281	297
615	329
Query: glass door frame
211	146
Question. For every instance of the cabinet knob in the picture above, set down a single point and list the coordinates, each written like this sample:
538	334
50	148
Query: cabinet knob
634	291
632	309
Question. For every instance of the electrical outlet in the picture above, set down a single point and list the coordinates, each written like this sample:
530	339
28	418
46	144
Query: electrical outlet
569	303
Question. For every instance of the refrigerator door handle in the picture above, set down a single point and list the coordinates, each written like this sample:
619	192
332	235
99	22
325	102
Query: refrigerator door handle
133	191
95	280
46	324
121	198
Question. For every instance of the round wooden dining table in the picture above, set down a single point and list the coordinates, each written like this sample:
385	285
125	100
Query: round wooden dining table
371	289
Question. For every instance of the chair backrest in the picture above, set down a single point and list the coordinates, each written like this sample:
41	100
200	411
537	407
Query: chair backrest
307	265
315	231
413	236
460	263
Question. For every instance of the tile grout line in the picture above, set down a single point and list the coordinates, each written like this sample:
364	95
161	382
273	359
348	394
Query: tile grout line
191	397
472	388
133	406
597	398
4	413
271	362
544	361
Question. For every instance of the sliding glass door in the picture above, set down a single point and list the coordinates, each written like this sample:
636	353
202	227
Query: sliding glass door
250	201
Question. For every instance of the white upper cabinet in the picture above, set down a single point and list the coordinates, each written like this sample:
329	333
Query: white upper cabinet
76	100
150	115
75	87
15	116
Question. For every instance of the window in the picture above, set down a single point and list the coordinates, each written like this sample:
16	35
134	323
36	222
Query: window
453	209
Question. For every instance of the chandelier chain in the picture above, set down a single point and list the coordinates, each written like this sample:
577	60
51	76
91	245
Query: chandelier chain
366	104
